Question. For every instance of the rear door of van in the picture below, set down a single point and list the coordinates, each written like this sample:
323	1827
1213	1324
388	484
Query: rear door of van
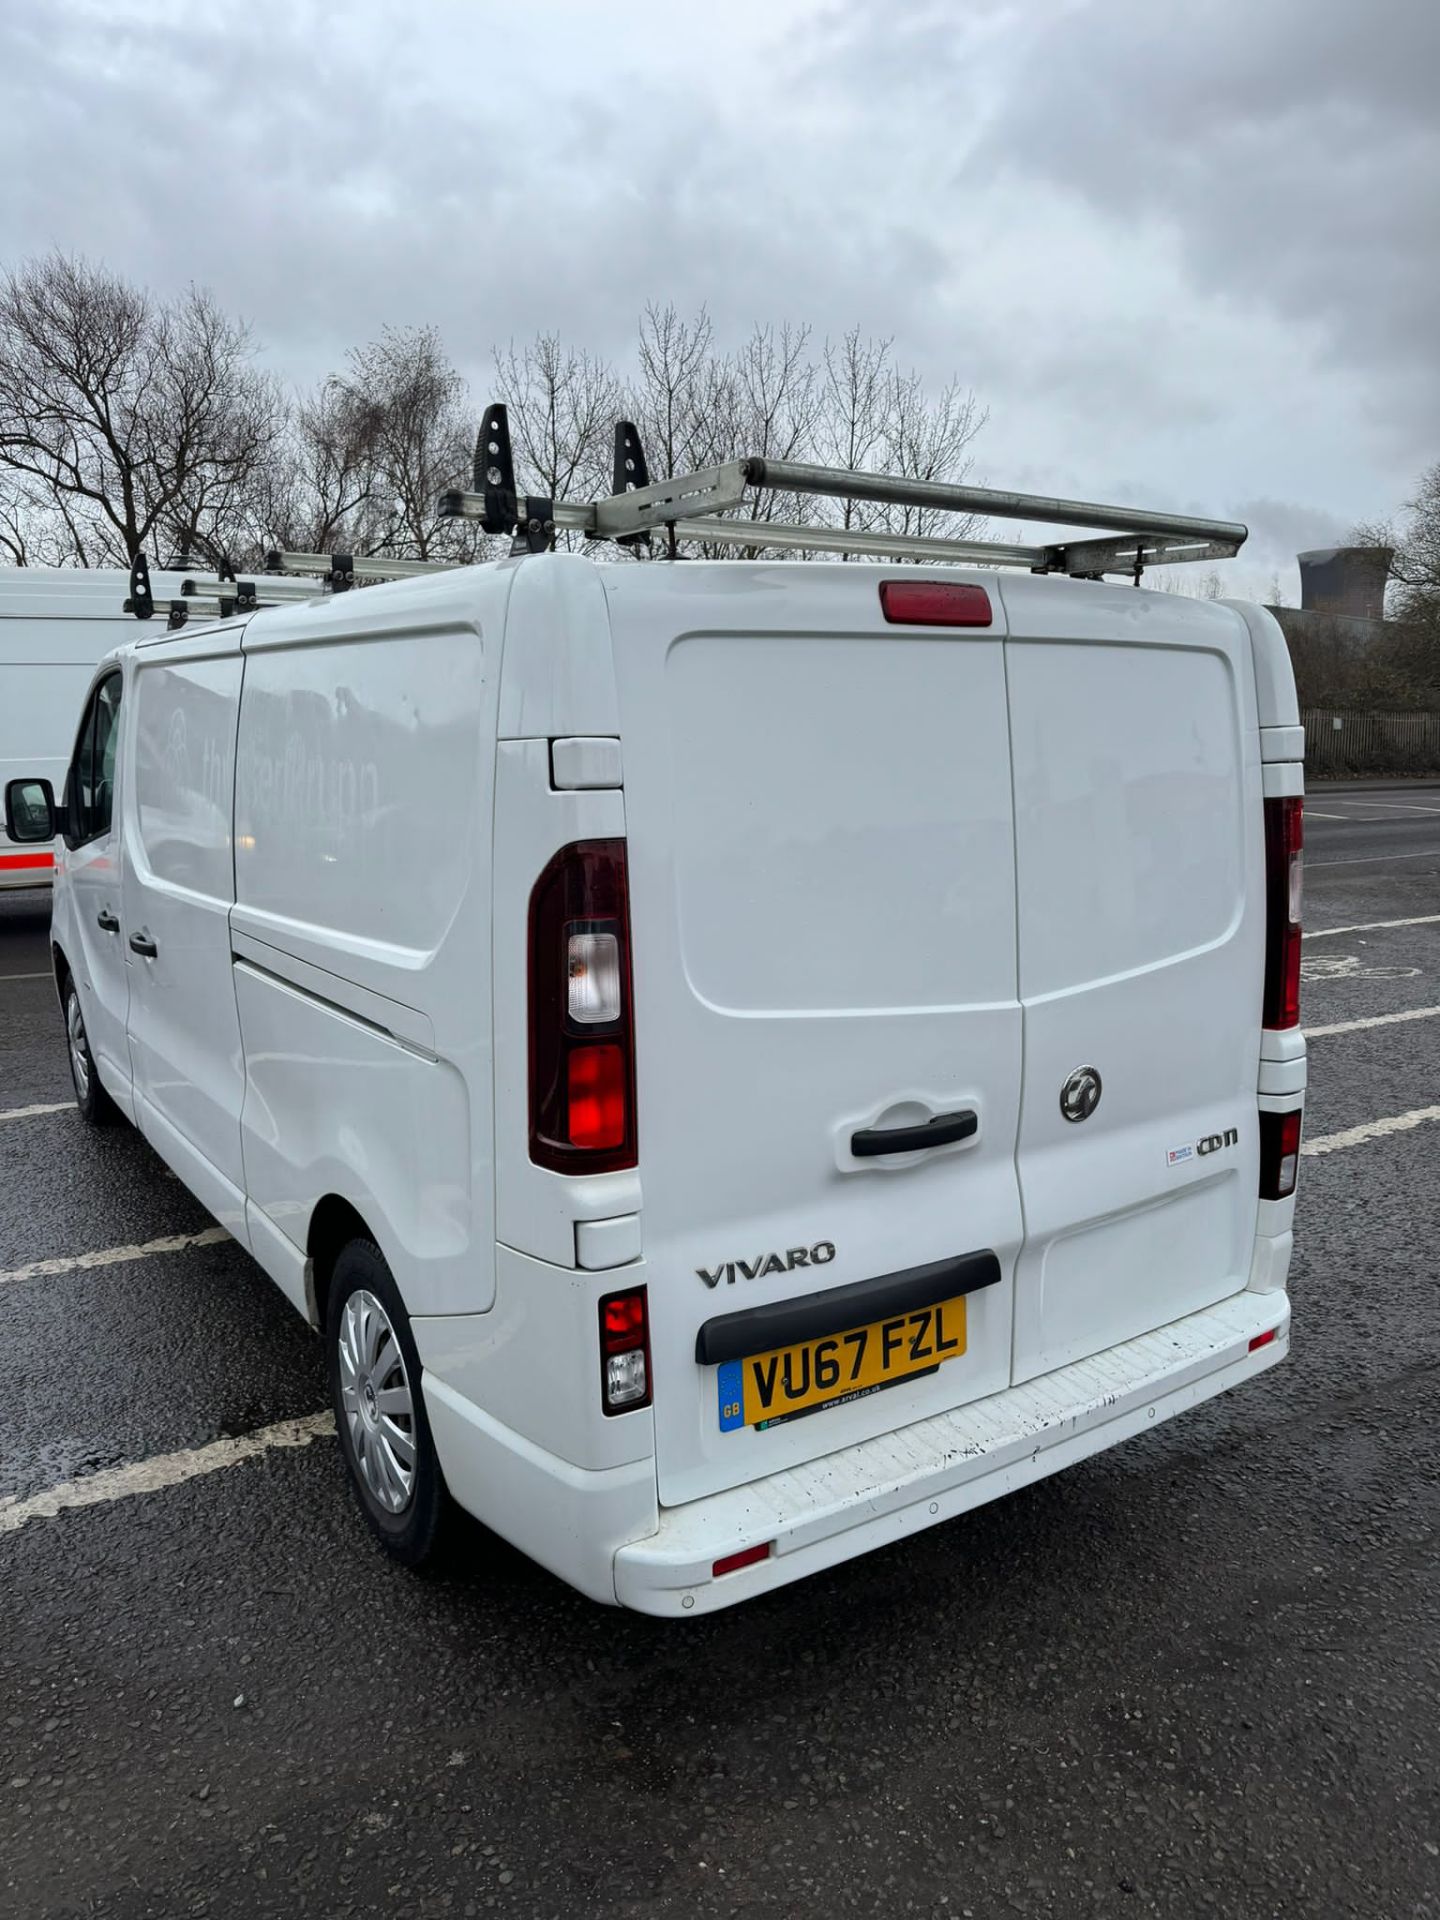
822	892
1140	875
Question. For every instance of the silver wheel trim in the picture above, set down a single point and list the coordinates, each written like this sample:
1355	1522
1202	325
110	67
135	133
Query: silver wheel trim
79	1053
378	1407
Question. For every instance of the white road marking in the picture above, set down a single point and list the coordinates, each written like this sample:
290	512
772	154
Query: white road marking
1369	859
1400	806
30	1113
47	975
1372	926
1346	966
1314	813
171	1469
163	1470
115	1256
1371	1130
1375	1020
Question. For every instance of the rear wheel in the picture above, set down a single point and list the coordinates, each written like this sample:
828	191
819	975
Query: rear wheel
96	1106
379	1409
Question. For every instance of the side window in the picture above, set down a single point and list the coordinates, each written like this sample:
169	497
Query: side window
93	779
81	782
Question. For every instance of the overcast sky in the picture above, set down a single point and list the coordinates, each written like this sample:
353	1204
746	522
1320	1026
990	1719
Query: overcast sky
1187	254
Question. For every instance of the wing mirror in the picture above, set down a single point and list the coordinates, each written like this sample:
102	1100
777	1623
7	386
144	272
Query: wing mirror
31	815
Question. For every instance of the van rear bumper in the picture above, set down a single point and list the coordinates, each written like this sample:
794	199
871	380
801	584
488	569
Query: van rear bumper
847	1503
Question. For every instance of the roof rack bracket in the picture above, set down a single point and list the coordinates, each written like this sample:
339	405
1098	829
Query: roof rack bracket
534	526
631	471
142	601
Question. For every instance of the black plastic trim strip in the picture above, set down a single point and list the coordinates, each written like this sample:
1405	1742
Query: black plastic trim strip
733	1336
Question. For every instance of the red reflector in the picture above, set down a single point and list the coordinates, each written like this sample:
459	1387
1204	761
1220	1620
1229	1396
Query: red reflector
1279	1154
747	1557
622	1319
934	603
597	1084
1262	1339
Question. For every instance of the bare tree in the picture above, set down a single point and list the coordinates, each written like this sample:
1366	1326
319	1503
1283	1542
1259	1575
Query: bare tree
125	421
371	451
1415	555
850	407
563	405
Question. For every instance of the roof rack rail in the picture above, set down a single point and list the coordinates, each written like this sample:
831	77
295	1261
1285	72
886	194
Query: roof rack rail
687	507
341	570
209	596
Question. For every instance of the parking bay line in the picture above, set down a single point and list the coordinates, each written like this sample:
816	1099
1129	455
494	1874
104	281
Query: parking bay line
162	1470
1372	926
1371	1130
32	1113
170	1469
115	1256
1375	1020
1373	859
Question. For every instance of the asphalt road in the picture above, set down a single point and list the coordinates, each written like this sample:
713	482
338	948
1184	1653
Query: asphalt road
1199	1674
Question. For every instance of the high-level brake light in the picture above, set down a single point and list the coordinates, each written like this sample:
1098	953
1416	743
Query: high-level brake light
934	603
582	1034
1284	838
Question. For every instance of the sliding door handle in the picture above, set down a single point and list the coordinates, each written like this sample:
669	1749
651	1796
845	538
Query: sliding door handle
142	943
104	918
943	1131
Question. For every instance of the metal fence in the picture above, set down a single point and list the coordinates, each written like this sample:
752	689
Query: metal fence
1339	742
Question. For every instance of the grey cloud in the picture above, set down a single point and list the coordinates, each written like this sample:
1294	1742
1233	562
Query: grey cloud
1293	149
323	200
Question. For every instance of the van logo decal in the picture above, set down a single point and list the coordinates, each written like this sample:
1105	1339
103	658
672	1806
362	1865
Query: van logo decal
1080	1094
1207	1144
820	1255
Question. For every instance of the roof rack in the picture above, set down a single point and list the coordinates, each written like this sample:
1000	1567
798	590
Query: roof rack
687	507
208	596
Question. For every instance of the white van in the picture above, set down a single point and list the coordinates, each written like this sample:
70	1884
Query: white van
742	1061
55	623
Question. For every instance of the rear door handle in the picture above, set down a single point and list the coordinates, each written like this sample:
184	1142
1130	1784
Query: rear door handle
142	943
942	1131
107	920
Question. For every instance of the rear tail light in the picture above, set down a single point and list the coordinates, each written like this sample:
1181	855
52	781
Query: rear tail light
1279	1154
582	1044
934	603
1284	835
624	1351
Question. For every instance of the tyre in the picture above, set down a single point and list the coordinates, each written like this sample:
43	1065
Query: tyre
385	1438
97	1109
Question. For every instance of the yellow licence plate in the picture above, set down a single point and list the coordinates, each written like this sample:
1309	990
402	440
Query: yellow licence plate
765	1389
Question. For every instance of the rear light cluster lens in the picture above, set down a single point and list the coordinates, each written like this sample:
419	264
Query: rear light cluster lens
624	1351
1279	1154
934	603
582	1046
1284	839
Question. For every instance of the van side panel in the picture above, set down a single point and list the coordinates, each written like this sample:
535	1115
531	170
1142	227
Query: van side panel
363	801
